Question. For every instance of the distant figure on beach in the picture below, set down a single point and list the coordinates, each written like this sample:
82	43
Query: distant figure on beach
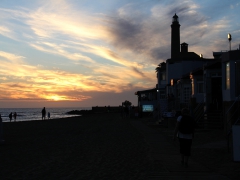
136	112
15	116
129	111
185	132
10	116
48	115
43	113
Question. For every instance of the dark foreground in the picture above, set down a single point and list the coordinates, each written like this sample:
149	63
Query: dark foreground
93	147
105	146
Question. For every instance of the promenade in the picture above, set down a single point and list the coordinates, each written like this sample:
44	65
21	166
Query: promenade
210	159
103	146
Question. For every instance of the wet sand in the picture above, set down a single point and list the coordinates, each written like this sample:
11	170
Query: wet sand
100	146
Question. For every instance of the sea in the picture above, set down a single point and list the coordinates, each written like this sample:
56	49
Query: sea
29	114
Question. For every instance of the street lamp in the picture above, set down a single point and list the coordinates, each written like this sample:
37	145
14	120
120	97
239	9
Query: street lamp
158	104
229	39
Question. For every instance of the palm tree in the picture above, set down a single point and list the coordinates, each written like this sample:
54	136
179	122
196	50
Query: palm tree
161	66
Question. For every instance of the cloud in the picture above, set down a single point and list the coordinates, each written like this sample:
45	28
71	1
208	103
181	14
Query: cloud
60	50
5	31
30	82
149	37
66	52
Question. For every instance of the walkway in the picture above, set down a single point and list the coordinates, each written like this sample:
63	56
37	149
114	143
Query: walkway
166	158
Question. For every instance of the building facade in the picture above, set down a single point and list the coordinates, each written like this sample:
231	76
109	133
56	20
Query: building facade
206	86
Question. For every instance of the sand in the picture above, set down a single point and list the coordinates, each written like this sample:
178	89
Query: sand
98	146
101	146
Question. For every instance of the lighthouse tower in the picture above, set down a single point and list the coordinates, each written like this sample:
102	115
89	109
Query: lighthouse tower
175	38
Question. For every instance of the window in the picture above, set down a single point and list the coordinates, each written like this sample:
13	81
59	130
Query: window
192	83
163	76
228	75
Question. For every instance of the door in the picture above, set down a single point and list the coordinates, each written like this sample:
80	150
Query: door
216	84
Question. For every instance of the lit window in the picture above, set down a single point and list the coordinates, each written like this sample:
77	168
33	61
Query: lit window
227	75
192	87
163	76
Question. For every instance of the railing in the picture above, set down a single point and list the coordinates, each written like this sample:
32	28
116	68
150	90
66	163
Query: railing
229	115
232	115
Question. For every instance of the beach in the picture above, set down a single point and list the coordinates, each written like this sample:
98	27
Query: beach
93	147
105	146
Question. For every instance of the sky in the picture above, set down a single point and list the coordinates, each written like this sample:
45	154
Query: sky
80	53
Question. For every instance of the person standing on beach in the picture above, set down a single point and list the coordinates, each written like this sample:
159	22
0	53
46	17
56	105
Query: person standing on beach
48	115
136	112
43	113
184	130
10	116
15	116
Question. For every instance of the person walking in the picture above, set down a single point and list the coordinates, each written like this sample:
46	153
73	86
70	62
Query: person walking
10	116
15	116
43	113
184	130
136	112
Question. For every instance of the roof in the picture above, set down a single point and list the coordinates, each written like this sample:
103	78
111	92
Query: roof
184	43
189	55
216	64
231	55
145	91
175	16
189	59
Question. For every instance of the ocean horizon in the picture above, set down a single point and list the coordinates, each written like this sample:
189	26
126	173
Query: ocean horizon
29	114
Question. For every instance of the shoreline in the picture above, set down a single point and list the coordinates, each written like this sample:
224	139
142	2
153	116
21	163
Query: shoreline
21	121
29	114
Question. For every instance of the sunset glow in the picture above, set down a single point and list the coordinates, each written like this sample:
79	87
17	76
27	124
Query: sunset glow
85	53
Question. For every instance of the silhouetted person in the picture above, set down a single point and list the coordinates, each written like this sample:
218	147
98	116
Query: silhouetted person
15	116
136	112
43	113
185	132
129	111
48	115
10	116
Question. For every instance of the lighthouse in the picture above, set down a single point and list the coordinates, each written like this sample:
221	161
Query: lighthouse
175	38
